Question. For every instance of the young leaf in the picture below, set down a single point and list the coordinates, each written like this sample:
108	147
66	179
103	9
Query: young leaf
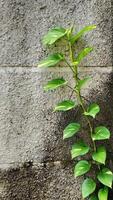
79	149
55	83
51	60
81	168
82	82
100	155
101	133
103	194
69	32
105	177
65	105
70	130
82	32
88	187
92	110
93	197
83	54
53	35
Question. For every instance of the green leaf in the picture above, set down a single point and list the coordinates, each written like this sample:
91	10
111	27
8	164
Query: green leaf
55	83
83	54
101	133
51	60
92	110
100	155
79	149
88	187
82	32
81	168
93	197
103	194
65	105
70	130
53	35
105	177
82	82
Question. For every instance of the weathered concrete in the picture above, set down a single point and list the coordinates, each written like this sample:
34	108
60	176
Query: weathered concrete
35	162
23	23
31	135
29	129
40	182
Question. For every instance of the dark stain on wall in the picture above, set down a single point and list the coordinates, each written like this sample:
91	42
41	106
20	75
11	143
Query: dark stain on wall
23	183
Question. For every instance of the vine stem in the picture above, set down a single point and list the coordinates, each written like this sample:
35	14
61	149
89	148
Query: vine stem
69	65
87	119
78	94
74	69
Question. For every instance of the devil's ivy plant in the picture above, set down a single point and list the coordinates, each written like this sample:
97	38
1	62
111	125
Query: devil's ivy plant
97	153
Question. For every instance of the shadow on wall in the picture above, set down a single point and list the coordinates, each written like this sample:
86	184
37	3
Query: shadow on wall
105	100
112	28
23	183
110	103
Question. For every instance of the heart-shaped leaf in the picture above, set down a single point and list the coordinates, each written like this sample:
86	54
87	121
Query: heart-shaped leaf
55	83
93	197
51	60
53	35
81	168
105	177
88	187
82	83
79	149
65	105
103	194
83	54
100	155
92	110
82	32
101	133
70	130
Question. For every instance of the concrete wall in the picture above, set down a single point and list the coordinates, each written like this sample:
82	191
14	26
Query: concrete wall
35	162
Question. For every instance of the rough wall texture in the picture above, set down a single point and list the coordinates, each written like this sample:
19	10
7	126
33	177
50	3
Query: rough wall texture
23	23
35	162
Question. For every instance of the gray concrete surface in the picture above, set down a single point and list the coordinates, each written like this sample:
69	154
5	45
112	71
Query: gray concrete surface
39	182
35	162
30	132
23	23
29	129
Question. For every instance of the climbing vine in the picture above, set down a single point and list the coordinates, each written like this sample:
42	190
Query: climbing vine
104	176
